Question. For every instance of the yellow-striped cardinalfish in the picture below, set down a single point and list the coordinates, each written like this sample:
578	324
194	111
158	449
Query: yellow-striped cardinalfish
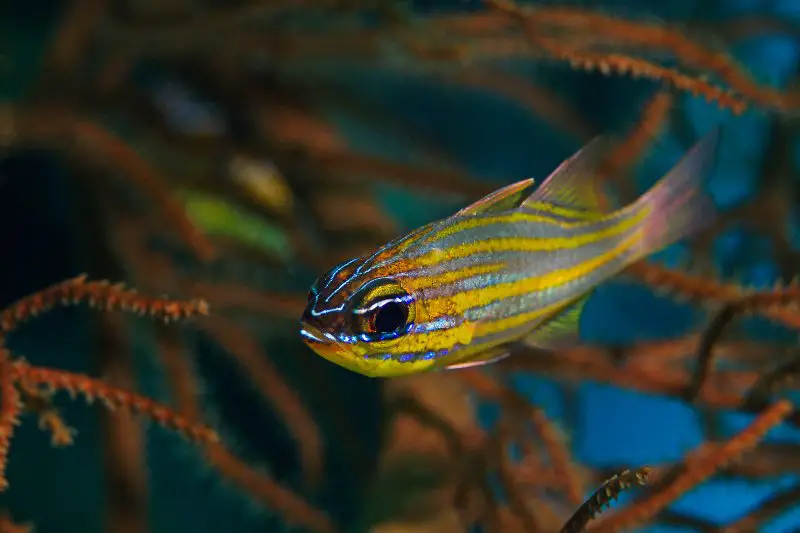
515	266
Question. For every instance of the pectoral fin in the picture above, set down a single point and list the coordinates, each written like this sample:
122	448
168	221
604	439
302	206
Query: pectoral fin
560	331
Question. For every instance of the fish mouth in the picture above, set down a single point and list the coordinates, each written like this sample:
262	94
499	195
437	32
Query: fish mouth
328	347
313	335
324	344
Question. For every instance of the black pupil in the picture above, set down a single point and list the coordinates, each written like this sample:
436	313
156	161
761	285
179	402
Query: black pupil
390	317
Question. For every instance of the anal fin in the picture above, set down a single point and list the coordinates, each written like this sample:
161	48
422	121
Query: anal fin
492	355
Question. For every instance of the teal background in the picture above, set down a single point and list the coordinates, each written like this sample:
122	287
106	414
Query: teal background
60	488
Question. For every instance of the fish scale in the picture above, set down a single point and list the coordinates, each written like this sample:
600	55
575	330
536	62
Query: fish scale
516	266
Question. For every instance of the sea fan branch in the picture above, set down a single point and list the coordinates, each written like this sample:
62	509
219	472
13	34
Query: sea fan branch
608	492
113	398
100	294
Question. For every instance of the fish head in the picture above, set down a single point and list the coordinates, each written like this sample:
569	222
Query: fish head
373	321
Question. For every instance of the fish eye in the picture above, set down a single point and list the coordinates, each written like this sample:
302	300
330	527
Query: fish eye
383	310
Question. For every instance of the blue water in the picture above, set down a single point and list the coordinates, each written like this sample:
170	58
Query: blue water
493	139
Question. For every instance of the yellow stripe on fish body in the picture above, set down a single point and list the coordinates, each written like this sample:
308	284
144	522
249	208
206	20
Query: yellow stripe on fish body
458	303
517	265
482	296
564	212
489	327
524	244
477	222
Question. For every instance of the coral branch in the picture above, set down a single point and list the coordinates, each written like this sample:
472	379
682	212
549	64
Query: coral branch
654	37
35	127
305	431
698	469
294	509
630	150
100	294
10	407
603	497
616	63
778	305
113	398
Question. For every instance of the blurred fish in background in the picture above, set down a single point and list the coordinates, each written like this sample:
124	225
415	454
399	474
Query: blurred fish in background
220	156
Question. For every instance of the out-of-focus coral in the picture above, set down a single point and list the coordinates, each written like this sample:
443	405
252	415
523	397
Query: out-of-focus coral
232	151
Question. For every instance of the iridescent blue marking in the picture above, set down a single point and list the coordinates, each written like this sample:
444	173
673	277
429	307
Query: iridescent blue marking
443	322
411	357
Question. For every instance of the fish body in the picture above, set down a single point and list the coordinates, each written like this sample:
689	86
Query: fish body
516	266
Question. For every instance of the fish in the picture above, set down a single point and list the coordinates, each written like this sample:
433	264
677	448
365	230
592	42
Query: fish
514	268
263	182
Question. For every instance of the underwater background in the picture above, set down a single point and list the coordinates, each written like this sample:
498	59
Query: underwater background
234	151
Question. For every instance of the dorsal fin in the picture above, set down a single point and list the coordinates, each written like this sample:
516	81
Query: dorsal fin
575	184
509	197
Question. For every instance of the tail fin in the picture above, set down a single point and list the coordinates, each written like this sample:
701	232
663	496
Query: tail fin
676	206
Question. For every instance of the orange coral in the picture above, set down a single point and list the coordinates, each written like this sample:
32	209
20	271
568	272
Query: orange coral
23	386
449	47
